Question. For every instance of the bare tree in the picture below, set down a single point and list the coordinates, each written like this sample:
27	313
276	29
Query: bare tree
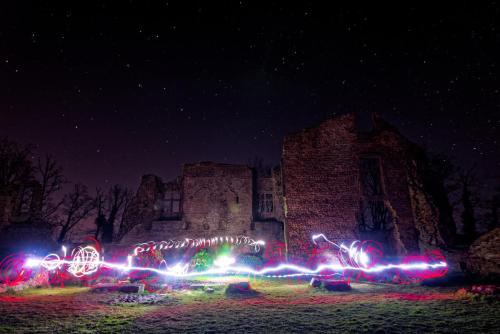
15	165
76	207
442	168
51	178
124	225
439	184
110	209
100	219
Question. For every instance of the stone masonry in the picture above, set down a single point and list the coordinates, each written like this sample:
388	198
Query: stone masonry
213	200
325	191
217	198
333	179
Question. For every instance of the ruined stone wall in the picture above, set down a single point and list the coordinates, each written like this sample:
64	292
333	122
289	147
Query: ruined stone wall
157	230
217	199
426	215
318	189
320	179
484	255
144	207
323	193
418	218
401	236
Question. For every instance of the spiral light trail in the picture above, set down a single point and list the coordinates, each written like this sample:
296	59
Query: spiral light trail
200	242
86	261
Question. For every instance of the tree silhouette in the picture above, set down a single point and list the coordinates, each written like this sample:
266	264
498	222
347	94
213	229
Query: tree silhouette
77	206
439	184
15	165
109	208
50	175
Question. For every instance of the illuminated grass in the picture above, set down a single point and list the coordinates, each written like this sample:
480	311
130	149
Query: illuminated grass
49	291
282	306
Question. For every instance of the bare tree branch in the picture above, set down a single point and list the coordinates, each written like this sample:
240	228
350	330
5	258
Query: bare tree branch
76	207
50	176
110	209
15	165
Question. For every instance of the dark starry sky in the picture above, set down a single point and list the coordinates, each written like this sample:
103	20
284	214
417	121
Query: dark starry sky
118	89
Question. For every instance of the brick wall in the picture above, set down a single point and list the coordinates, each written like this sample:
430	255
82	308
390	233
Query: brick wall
323	194
217	198
320	177
317	190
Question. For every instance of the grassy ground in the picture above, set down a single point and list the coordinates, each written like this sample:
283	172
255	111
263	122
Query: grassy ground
281	307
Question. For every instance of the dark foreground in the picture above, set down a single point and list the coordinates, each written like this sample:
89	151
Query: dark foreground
281	307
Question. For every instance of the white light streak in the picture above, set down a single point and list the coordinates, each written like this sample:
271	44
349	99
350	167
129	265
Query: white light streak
224	261
200	242
86	260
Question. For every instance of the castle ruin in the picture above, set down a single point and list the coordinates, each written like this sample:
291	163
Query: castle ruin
333	179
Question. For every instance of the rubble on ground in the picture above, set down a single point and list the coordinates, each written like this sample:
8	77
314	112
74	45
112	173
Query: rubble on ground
133	298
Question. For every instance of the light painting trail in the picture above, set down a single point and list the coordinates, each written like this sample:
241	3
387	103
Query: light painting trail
196	243
87	260
179	270
356	255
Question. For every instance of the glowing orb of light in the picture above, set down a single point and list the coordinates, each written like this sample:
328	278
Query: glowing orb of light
85	261
50	262
224	261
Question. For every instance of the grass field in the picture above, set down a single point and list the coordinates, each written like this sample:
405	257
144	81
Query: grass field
281	307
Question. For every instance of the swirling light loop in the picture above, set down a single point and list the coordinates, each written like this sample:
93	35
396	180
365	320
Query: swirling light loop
200	242
85	261
355	255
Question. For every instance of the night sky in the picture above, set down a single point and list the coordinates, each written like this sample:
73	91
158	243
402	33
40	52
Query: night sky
119	89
